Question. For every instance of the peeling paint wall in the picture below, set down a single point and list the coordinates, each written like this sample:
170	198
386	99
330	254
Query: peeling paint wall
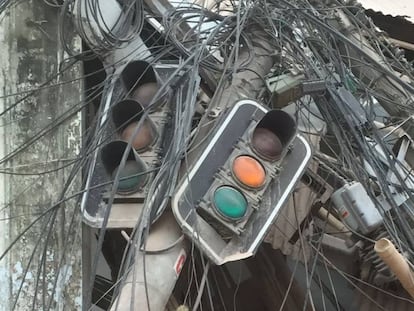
43	133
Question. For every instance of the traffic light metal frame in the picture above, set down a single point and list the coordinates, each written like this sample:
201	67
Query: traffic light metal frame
230	139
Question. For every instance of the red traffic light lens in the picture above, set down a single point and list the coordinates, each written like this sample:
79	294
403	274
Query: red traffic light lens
144	138
145	93
266	143
273	134
229	202
249	171
141	83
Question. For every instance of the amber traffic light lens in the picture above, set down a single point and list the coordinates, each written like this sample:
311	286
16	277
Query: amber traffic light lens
145	136
249	171
126	115
266	143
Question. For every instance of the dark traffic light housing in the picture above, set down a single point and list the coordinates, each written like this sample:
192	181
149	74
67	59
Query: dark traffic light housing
140	124
135	129
234	192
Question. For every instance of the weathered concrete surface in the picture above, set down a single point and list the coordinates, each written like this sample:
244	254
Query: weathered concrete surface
43	269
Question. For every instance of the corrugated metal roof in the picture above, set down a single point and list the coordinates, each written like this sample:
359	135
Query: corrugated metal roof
395	8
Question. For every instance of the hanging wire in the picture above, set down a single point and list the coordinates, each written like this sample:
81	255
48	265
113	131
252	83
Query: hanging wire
308	38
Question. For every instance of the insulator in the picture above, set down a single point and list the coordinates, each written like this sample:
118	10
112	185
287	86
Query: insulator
379	273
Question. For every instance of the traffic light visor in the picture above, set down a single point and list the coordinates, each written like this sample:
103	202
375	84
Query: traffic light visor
133	175
126	115
273	134
140	81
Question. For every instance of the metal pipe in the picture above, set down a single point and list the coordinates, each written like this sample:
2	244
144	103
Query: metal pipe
334	222
402	44
397	263
164	258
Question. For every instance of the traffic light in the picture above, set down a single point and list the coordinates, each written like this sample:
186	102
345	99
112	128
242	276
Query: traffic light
138	160
140	120
139	113
234	192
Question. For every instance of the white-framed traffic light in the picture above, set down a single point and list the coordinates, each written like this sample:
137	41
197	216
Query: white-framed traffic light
235	190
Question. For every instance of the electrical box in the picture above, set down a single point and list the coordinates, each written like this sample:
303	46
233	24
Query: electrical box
356	208
285	89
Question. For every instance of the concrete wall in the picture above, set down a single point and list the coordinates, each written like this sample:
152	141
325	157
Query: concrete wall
43	268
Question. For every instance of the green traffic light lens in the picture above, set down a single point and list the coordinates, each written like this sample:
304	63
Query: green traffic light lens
131	177
230	202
